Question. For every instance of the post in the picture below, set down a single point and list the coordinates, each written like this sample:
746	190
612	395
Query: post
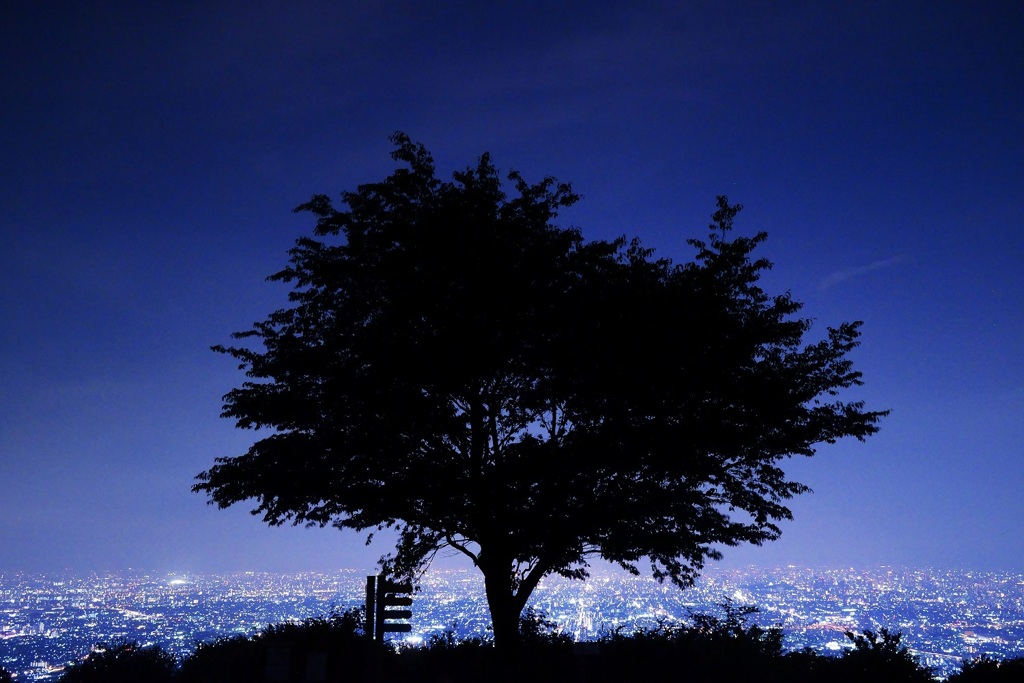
371	606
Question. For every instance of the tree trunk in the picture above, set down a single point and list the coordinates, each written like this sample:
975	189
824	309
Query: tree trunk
504	606
505	599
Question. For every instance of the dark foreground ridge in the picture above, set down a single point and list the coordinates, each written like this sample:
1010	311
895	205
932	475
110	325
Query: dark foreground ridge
335	649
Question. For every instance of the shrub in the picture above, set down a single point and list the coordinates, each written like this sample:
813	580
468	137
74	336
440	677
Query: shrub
535	629
878	656
985	669
710	648
334	643
123	662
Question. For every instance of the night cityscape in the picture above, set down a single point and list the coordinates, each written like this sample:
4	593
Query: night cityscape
47	621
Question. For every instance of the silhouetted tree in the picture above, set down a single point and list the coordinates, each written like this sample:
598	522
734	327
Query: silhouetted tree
5	676
456	367
123	662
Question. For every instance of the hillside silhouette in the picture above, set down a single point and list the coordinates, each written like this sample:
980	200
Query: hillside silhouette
335	649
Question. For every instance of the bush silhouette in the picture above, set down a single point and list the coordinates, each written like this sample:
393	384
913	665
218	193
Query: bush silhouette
536	630
985	669
123	662
708	648
445	657
321	648
876	656
711	648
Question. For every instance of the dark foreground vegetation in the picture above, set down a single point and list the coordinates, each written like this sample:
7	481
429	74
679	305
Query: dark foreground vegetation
334	649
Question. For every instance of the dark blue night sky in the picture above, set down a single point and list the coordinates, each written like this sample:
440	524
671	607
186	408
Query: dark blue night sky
151	153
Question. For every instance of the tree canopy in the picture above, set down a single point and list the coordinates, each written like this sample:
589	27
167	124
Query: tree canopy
457	367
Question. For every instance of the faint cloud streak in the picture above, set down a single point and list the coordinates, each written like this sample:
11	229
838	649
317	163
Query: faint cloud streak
836	277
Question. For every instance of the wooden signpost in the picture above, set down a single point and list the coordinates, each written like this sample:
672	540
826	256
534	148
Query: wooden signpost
380	595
